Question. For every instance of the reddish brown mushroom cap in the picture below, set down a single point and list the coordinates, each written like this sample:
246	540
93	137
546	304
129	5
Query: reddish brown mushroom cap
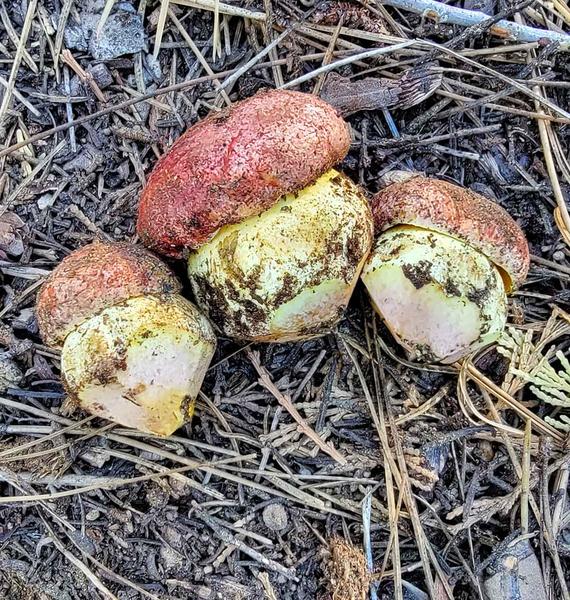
441	206
238	163
93	278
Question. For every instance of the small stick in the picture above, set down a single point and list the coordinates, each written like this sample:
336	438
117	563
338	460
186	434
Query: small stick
21	98
85	76
460	16
226	9
69	110
199	56
229	538
525	481
18	59
285	402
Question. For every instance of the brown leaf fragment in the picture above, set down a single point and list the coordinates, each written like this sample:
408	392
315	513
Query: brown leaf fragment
11	234
376	93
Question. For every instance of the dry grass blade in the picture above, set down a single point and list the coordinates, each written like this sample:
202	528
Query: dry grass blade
347	61
287	404
104	16
14	38
199	56
394	518
525	481
17	59
285	490
467	368
116	108
164	8
112	484
561	214
61	23
216	44
226	9
21	98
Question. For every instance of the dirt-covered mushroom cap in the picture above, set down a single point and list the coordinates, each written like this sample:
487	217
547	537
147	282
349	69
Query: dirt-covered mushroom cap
440	298
132	349
437	205
236	164
140	363
288	273
93	278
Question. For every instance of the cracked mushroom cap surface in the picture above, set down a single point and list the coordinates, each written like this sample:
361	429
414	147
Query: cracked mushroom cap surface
94	278
437	205
237	163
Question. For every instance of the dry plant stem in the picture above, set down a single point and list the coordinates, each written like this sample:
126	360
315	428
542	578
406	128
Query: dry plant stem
104	16
400	467
85	77
199	56
504	78
377	416
367	541
460	16
21	98
347	61
406	490
222	7
560	493
430	8
561	215
472	371
17	59
164	7
236	74
267	587
285	402
114	108
525	481
77	563
61	23
394	517
100	485
546	523
280	488
327	58
15	39
232	540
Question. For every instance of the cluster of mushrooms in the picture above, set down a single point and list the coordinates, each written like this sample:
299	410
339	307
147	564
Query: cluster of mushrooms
275	240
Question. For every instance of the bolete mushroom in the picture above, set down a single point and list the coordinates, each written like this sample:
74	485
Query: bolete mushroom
275	238
132	349
444	260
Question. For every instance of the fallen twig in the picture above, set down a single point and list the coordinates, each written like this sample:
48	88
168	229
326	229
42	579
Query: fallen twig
285	402
460	16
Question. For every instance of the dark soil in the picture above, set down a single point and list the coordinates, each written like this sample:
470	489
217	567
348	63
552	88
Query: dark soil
448	486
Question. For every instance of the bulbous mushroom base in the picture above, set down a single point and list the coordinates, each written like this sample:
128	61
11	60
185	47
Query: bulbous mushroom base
287	273
439	297
140	363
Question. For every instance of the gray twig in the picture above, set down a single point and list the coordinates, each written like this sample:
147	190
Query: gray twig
460	16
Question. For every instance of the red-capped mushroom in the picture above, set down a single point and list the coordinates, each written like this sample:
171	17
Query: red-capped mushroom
443	262
275	238
132	349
